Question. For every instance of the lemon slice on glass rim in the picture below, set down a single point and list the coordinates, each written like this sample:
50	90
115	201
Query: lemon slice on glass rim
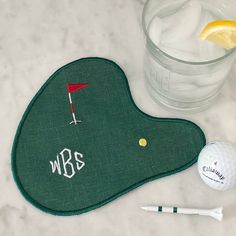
221	32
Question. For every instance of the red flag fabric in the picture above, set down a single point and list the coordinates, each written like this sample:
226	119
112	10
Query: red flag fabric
75	87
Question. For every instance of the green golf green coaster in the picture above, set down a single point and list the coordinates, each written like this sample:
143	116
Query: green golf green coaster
82	142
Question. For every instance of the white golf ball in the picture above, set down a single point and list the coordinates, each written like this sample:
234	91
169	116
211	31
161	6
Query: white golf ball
217	165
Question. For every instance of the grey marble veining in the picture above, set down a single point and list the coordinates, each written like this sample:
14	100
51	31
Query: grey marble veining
36	38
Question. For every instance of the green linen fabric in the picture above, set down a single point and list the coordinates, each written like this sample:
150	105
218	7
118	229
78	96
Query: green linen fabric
68	169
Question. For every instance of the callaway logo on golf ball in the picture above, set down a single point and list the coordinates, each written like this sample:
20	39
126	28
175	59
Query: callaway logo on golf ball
217	165
217	175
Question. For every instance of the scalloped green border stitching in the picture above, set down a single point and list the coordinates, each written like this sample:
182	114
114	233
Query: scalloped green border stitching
83	210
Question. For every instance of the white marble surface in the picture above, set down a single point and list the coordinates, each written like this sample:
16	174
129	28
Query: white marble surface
36	38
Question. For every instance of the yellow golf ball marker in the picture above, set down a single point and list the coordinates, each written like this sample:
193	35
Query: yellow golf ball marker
142	142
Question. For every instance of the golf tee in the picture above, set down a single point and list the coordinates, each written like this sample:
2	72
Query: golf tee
216	213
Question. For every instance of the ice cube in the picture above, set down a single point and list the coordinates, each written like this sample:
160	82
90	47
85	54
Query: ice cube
209	51
155	30
182	55
183	23
187	45
205	18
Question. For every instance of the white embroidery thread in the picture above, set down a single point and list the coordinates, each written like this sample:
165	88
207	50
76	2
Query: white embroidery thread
69	164
79	164
56	166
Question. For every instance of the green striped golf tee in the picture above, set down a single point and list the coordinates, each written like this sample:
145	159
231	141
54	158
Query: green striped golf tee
216	213
167	209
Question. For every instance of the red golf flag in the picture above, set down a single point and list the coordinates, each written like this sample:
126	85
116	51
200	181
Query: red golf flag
75	87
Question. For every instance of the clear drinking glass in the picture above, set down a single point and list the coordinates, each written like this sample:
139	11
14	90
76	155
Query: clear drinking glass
180	84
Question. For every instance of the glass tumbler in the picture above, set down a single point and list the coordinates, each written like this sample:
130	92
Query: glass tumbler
180	85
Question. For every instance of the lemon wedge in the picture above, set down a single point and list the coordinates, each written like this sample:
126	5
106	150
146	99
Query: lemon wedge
221	32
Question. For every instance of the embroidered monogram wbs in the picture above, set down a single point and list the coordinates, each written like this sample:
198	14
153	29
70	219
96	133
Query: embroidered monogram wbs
66	164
